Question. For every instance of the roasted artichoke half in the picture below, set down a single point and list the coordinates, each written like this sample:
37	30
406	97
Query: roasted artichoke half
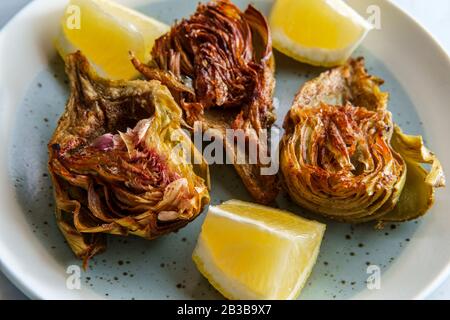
118	161
343	157
219	66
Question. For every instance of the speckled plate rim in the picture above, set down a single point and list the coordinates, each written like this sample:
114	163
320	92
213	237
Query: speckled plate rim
14	267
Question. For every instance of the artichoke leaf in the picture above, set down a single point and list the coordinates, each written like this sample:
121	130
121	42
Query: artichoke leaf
337	160
418	195
343	157
223	79
114	164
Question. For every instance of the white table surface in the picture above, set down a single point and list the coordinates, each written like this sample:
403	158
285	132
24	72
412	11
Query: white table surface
434	15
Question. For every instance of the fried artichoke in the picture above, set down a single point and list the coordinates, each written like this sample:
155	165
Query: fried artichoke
118	163
219	66
343	157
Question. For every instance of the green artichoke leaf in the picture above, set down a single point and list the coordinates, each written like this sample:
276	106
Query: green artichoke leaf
418	195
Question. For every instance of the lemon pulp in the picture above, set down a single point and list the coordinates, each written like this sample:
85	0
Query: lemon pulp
248	251
319	32
106	32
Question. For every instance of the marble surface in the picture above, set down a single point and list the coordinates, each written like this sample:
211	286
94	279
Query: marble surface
434	15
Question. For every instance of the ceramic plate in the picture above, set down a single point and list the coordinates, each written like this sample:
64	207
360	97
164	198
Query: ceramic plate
413	257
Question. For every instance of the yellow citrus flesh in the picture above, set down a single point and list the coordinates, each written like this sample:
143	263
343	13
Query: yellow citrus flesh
319	32
106	32
249	251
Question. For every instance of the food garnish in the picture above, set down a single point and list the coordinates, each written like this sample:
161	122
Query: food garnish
249	251
318	32
219	66
342	156
118	162
106	32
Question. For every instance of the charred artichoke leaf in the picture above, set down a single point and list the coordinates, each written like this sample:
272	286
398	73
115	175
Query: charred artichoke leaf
219	66
337	161
418	194
336	157
342	155
120	162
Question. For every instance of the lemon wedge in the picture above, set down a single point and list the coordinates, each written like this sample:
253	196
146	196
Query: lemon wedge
249	251
105	32
318	32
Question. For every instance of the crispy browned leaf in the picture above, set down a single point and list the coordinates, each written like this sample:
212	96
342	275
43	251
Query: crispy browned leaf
117	161
219	65
343	157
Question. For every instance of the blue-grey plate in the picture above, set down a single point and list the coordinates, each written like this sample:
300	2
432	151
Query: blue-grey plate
411	257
